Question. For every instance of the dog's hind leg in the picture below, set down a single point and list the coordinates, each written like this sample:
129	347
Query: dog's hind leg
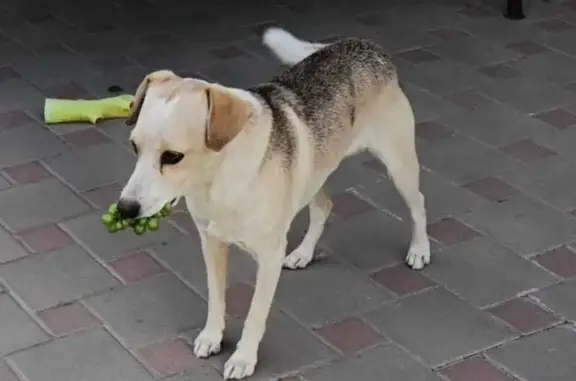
394	145
320	207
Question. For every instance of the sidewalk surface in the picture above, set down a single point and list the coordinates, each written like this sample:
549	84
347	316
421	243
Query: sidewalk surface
495	102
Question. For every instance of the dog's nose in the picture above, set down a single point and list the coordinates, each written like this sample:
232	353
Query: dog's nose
128	209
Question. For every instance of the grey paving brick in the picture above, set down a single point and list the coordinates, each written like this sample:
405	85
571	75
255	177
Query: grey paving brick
327	293
58	277
286	347
400	38
427	106
474	52
27	143
432	77
462	159
183	255
10	248
545	356
48	71
560	299
443	198
200	373
369	241
94	167
546	179
386	363
40	203
563	42
464	270
17	330
242	71
550	66
527	94
88	356
462	329
151	310
523	224
93	235
496	124
17	93
560	142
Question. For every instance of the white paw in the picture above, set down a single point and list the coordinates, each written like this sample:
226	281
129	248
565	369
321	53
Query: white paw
239	366
207	344
417	258
299	258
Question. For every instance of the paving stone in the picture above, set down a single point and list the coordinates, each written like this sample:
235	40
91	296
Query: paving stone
286	346
523	224
443	198
88	356
528	151
559	298
61	276
550	66
475	369
326	293
18	330
545	356
386	363
559	141
168	358
6	374
27	173
88	230
11	248
561	261
350	335
32	205
183	256
17	93
154	309
474	52
201	372
428	106
524	315
450	231
492	189
67	319
465	269
253	71
496	124
558	118
407	322
546	179
94	167
385	240
136	267
463	159
45	238
402	280
527	94
27	143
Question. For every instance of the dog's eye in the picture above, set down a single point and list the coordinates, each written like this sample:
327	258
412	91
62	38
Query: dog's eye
170	157
134	147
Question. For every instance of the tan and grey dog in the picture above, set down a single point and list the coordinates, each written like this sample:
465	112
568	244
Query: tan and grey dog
248	161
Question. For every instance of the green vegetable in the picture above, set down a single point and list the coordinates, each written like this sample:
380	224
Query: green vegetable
111	219
153	224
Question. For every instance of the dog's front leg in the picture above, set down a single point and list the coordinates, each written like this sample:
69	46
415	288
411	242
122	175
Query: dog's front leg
215	254
243	361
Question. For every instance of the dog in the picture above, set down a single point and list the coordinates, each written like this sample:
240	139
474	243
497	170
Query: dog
248	160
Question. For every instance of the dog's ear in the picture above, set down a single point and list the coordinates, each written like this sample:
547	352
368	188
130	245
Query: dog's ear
136	104
227	115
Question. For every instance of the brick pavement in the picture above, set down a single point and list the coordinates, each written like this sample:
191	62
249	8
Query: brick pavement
495	102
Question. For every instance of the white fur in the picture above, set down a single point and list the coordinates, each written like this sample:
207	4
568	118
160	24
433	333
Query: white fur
289	49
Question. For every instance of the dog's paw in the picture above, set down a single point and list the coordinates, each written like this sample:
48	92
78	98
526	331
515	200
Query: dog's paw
418	258
240	365
299	258
207	344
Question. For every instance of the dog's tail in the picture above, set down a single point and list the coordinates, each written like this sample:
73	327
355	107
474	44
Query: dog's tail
289	49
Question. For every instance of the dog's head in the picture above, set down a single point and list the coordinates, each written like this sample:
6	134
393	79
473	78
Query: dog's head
180	128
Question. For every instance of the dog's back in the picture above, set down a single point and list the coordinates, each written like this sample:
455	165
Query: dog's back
327	89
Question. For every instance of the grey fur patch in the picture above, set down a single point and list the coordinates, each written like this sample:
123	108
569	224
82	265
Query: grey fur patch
326	89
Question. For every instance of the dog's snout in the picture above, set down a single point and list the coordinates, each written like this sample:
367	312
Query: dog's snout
128	209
